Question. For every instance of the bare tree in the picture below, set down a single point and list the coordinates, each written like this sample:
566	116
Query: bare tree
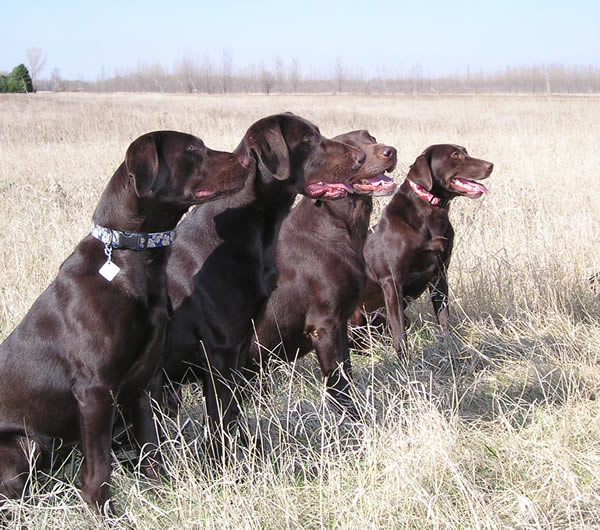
207	74
249	80
266	80
188	74
547	81
294	75
226	71
36	61
339	74
278	69
382	77
56	81
416	78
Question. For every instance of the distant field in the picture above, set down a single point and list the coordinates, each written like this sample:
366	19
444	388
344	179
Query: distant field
497	425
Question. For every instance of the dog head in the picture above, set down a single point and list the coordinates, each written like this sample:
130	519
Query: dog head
177	168
290	149
371	178
447	171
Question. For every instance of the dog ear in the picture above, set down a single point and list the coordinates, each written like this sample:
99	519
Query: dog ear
420	173
141	162
271	150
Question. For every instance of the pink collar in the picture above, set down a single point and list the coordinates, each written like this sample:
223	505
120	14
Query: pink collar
424	194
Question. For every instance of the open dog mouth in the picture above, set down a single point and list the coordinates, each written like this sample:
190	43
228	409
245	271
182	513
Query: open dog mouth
467	187
328	190
200	193
378	185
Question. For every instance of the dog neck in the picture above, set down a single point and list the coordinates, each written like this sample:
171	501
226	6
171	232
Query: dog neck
426	195
354	214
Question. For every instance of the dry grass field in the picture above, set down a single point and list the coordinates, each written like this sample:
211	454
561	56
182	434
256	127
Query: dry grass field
495	426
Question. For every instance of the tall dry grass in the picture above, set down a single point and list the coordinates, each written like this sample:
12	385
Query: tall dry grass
496	425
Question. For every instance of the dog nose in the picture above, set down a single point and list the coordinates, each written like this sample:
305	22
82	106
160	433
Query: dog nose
488	167
388	152
245	161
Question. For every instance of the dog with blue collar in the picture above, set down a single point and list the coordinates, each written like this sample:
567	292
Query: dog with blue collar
93	339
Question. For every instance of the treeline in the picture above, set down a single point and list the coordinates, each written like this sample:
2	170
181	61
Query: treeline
205	77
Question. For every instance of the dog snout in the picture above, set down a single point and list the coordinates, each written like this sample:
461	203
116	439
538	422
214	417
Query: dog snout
486	168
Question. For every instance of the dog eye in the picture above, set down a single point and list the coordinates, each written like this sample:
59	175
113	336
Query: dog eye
456	155
372	138
194	147
307	138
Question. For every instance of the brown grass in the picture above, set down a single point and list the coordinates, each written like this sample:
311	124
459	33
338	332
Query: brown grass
497	425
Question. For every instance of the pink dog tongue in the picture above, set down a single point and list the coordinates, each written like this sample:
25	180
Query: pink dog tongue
203	193
470	186
324	187
380	180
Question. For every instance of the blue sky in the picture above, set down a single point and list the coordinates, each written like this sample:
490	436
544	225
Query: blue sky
82	39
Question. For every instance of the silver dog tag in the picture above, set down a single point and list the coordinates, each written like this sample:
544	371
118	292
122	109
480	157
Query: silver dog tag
109	270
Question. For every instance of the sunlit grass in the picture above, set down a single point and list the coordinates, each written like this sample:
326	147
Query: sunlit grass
495	425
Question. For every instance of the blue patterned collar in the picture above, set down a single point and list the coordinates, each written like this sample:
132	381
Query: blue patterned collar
132	240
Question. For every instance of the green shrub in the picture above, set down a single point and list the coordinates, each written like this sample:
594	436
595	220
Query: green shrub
18	80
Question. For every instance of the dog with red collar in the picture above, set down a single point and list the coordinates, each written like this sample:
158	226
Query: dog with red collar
410	248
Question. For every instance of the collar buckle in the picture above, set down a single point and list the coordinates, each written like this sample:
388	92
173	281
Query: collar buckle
129	240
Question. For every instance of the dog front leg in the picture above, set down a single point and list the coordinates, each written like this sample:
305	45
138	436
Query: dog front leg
394	306
330	343
96	418
15	455
439	299
220	390
146	436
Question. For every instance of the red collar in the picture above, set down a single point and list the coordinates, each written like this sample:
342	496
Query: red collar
424	194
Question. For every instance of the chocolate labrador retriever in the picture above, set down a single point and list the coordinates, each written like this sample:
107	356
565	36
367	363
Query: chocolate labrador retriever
222	269
94	337
411	245
322	273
